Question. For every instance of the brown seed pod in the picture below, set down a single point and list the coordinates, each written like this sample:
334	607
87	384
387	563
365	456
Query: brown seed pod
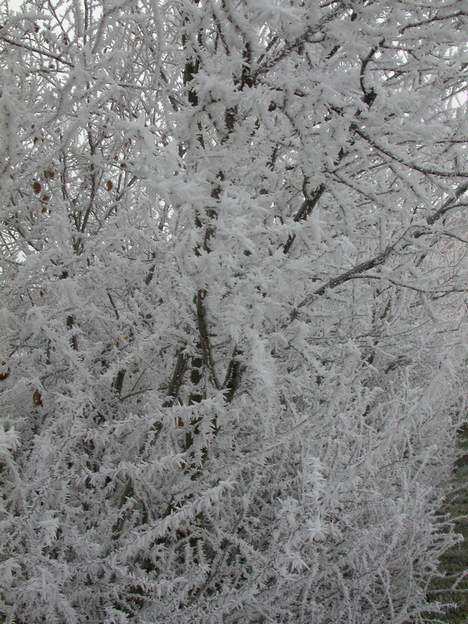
109	185
45	199
36	187
5	373
49	174
37	398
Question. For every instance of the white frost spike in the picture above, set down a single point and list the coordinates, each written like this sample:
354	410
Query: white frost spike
9	441
314	226
263	364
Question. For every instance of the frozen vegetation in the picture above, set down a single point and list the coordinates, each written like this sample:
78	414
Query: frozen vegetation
233	272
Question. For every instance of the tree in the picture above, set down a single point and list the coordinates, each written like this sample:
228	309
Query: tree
233	265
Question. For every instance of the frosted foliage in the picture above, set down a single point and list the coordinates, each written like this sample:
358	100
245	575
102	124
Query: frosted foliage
233	249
